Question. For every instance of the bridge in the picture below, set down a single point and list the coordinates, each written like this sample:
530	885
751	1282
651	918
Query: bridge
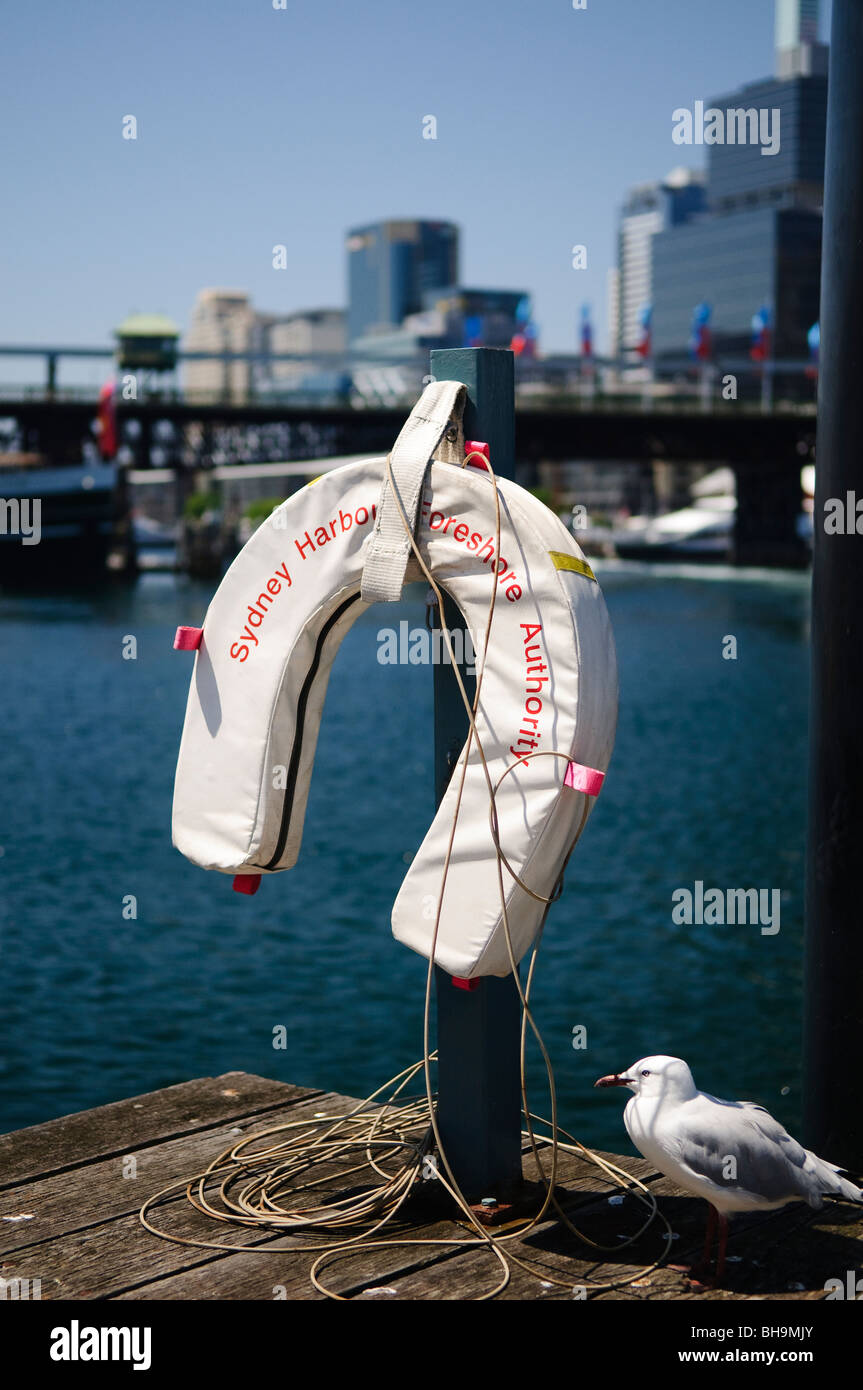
765	451
568	409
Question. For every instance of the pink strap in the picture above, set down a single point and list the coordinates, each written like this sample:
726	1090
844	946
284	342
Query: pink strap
246	883
188	639
584	779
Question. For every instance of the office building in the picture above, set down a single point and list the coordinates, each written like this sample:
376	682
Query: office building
222	321
612	309
798	52
451	317
759	240
478	318
649	209
316	336
391	266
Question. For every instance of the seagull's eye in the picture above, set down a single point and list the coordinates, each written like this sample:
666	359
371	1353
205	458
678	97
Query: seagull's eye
645	1073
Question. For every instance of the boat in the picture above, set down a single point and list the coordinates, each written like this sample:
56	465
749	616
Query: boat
59	522
703	531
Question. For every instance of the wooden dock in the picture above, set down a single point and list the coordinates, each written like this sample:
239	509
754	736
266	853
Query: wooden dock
69	1218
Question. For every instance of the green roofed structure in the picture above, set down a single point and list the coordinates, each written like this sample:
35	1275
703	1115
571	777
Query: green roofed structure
147	341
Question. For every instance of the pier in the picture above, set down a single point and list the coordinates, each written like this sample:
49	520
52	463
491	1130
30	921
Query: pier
69	1220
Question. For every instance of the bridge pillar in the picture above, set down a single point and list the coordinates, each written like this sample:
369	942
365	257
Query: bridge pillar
144	442
769	502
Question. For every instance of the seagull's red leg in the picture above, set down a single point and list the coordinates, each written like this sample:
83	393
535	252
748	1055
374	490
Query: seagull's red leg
723	1241
709	1234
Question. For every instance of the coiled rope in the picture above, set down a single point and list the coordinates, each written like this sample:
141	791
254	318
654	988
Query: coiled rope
266	1180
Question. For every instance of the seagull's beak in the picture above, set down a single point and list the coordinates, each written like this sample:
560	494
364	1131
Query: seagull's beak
616	1079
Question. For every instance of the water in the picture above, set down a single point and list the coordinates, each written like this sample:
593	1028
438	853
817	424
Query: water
707	782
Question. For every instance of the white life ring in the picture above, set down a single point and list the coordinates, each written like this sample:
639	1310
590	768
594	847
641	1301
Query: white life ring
269	639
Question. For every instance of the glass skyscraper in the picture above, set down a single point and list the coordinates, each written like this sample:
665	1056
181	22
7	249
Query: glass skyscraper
392	266
648	209
759	240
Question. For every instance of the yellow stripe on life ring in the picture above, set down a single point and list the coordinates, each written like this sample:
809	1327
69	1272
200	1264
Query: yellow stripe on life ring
562	561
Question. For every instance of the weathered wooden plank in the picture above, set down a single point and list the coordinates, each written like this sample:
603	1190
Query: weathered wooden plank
788	1253
102	1260
770	1265
123	1125
571	1165
105	1258
467	1275
246	1276
45	1208
552	1251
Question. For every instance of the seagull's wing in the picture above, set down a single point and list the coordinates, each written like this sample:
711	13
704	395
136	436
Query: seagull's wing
739	1146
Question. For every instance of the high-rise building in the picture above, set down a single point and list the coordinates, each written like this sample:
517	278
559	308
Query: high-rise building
391	266
798	52
648	209
612	309
795	23
478	318
222	321
316	336
759	241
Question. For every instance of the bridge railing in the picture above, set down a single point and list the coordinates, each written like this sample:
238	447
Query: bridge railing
605	386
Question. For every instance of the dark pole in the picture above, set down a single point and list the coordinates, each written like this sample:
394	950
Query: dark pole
479	1096
834	946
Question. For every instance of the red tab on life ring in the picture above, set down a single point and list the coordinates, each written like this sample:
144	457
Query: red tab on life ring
475	446
188	639
246	883
461	983
584	779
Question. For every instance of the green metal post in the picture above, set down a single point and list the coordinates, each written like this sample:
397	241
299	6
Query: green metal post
478	1031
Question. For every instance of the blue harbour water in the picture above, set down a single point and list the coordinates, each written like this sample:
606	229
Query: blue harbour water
707	782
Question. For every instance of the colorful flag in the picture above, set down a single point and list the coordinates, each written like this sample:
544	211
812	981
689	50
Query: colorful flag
586	332
645	319
813	338
699	341
107	417
760	349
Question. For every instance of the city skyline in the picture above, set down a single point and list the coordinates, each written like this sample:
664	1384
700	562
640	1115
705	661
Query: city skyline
533	158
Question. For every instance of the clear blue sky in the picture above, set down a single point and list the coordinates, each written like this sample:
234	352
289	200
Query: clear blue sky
259	126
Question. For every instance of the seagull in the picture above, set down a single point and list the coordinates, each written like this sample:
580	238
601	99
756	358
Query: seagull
731	1152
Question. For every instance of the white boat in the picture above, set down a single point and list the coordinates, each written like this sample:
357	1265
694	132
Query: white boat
702	531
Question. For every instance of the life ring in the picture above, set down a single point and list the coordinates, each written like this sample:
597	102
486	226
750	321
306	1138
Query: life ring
549	684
